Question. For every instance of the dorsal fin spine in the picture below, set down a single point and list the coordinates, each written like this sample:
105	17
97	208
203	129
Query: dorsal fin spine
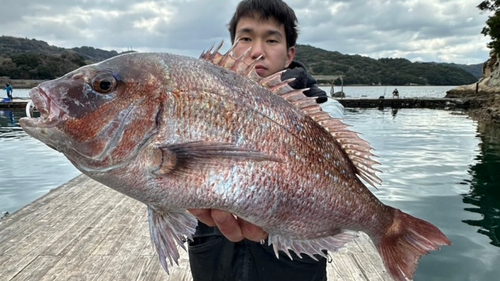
350	141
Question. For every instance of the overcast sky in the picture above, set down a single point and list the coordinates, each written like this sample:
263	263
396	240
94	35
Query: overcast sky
418	30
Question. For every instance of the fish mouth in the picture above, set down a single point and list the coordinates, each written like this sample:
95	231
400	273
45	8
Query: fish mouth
50	114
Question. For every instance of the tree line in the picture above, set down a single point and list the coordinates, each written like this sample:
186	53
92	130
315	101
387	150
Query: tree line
492	28
361	70
22	58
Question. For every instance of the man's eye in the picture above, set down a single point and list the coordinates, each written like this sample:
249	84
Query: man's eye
245	39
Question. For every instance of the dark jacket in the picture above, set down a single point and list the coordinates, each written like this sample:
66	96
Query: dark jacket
214	258
304	80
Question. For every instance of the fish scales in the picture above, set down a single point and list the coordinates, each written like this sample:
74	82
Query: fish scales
260	132
177	133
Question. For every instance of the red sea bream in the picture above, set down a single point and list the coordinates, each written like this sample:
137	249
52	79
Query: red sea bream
177	133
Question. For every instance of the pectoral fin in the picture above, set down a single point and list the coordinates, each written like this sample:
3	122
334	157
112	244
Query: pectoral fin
186	157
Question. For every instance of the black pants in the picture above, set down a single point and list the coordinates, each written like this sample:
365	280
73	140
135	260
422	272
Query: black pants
214	258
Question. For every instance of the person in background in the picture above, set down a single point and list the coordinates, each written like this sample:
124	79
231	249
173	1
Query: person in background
9	90
225	247
395	94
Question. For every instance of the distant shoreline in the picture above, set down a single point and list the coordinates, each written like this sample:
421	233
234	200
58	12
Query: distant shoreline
28	84
20	83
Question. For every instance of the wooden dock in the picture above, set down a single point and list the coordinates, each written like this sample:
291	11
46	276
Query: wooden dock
434	103
15	103
83	230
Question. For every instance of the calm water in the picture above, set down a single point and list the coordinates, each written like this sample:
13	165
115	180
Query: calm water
356	91
437	165
28	168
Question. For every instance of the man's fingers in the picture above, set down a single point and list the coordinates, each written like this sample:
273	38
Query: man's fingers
232	228
228	225
251	231
203	215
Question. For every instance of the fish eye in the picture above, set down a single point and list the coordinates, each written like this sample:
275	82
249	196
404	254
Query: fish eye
104	83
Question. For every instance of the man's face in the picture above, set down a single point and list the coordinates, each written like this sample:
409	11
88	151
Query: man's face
267	38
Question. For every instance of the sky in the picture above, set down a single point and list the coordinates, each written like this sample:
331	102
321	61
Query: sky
418	30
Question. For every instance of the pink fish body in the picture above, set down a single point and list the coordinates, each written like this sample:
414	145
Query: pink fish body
175	133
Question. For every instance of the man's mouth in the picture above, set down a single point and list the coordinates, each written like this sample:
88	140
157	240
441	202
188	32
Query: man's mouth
260	69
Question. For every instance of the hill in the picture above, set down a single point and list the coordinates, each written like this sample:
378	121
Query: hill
474	69
22	58
386	71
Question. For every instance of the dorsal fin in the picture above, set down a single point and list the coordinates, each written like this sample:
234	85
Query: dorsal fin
357	149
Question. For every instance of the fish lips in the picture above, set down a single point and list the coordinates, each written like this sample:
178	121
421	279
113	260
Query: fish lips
50	114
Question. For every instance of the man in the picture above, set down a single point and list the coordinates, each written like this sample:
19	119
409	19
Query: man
229	248
395	94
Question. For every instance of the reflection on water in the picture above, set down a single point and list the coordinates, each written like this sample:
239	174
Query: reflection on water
394	112
426	158
28	168
7	118
485	186
9	124
435	166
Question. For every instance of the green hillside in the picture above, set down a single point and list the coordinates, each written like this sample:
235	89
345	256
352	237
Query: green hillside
22	58
358	69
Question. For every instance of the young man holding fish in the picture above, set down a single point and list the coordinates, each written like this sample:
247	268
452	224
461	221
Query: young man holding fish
179	133
226	247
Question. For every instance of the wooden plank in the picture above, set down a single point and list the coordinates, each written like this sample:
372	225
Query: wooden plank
31	216
38	267
54	228
15	265
3	260
86	231
79	259
121	265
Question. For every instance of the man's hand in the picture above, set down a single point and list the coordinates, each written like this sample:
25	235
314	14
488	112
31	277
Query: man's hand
235	229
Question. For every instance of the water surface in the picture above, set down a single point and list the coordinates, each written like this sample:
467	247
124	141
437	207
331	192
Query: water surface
442	167
437	165
28	168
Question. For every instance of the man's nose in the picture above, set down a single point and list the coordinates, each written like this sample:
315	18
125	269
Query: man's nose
257	50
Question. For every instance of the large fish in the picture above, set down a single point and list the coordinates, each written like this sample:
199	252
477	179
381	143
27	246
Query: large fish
176	132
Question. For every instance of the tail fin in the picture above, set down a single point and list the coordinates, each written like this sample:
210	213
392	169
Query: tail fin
405	242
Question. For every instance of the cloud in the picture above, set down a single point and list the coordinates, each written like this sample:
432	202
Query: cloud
437	30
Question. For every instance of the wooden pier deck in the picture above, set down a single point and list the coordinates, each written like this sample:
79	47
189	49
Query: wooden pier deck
433	103
83	230
15	103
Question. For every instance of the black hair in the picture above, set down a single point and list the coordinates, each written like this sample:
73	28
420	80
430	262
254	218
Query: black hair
266	9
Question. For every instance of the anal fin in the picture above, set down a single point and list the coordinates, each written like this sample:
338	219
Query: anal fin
311	247
169	230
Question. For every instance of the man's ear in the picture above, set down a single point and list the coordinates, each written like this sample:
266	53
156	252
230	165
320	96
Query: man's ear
290	55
